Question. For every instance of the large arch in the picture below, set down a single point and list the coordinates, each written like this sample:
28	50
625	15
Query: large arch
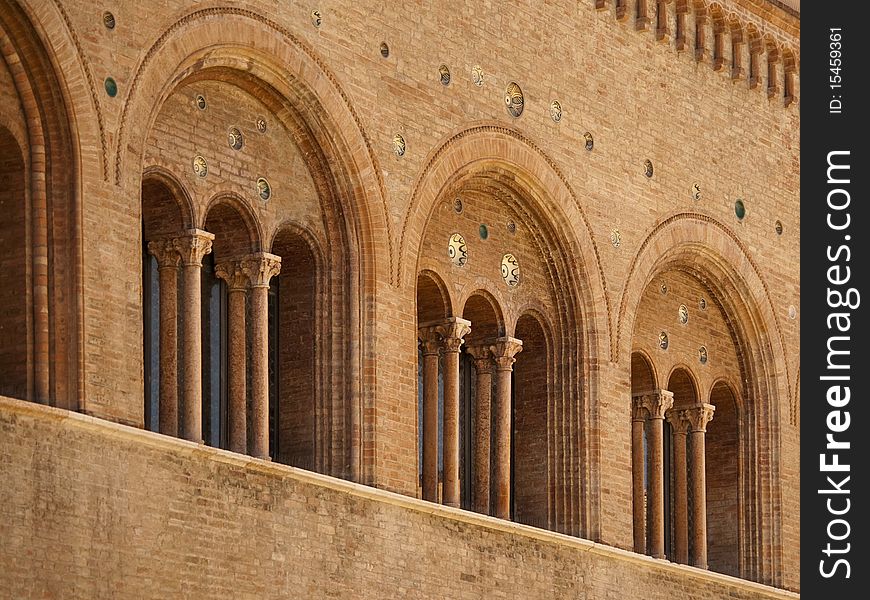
287	77
53	192
496	162
705	249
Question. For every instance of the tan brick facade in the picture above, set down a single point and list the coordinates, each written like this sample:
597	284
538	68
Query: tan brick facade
373	165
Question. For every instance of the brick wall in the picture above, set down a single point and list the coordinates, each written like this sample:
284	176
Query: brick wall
639	98
83	521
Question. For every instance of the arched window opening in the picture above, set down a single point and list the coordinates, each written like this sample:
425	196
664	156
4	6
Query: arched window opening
530	477
478	435
678	469
293	384
723	465
228	317
737	50
162	224
643	382
432	309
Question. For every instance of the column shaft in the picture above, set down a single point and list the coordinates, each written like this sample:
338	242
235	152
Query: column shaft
168	415
260	268
430	416
681	509
503	352
260	372
237	419
192	247
698	417
237	380
637	485
657	404
192	429
657	488
452	333
482	425
699	501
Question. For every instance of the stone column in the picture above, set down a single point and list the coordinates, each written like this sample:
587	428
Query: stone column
260	268
168	260
237	282
503	351
482	399
680	427
192	247
430	343
698	417
638	420
657	404
452	332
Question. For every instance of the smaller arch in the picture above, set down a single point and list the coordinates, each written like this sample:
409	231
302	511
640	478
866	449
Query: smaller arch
717	15
772	49
643	373
236	229
681	9
296	314
433	298
754	42
157	175
738	41
684	385
486	316
723	465
789	74
531	425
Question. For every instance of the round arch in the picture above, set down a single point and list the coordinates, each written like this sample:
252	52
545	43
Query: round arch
232	210
298	89
704	248
515	172
53	194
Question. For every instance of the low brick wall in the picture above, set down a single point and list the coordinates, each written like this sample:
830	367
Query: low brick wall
92	509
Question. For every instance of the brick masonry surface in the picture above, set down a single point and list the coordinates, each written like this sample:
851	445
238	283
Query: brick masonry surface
101	510
356	224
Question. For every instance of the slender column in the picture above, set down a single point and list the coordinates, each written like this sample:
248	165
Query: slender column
698	417
483	365
680	427
168	260
657	404
237	282
503	351
452	332
702	53
192	247
431	344
260	268
638	419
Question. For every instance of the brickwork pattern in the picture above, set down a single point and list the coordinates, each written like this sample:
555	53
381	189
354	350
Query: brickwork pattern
236	528
374	220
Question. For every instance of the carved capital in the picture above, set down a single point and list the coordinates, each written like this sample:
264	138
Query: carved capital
658	403
698	416
678	420
260	267
482	356
193	246
638	408
452	331
165	252
232	272
504	351
430	339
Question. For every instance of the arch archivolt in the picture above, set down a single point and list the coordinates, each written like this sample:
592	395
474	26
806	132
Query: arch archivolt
289	75
705	250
